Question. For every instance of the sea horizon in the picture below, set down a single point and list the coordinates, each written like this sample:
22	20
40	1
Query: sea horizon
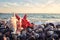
29	13
33	17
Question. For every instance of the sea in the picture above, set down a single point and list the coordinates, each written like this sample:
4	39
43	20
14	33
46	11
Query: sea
36	18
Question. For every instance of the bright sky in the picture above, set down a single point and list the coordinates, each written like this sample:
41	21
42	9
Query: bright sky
30	6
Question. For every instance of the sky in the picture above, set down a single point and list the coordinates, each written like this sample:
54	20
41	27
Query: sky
30	6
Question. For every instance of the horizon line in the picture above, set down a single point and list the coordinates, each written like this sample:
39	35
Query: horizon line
29	13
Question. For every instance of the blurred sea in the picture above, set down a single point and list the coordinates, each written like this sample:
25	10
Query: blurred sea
35	18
